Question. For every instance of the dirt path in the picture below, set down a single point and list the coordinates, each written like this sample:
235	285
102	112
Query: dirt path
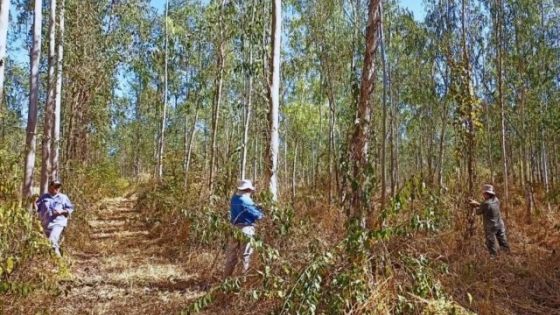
123	270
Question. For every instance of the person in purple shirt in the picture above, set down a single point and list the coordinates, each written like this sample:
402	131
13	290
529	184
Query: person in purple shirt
244	214
53	209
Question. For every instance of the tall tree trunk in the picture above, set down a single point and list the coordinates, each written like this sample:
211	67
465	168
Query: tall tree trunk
385	104
470	121
189	146
248	106
442	147
58	96
332	152
361	134
294	173
49	105
500	63
274	101
394	134
489	143
217	98
138	128
4	23
31	139
161	144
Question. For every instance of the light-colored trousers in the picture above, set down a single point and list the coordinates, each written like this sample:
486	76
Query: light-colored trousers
53	232
238	248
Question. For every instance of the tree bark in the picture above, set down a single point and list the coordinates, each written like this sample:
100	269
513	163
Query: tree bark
361	134
499	48
189	145
248	103
385	104
274	101
4	23
161	143
58	99
31	139
49	105
217	98
294	173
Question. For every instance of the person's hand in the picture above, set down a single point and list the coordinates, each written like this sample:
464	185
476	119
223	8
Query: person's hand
474	203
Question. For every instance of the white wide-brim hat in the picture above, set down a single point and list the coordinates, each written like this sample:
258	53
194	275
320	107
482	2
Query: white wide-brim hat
245	184
489	189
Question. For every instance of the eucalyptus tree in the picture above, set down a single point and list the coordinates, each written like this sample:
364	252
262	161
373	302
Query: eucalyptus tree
161	137
249	48
48	118
361	133
31	137
218	85
4	22
58	98
274	100
329	44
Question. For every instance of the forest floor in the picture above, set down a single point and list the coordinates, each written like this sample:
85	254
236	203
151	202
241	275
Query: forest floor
123	270
122	267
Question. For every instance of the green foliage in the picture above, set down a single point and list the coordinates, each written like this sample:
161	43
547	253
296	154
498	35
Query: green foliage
25	253
94	182
416	208
335	279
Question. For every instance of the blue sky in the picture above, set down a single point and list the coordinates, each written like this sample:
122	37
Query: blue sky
413	5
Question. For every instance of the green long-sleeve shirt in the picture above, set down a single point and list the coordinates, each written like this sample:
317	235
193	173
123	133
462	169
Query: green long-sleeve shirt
490	211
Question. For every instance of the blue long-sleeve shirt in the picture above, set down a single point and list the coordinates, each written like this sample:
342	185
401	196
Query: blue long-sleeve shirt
47	204
244	210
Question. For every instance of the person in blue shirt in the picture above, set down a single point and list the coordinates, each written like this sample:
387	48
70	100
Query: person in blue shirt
53	209
244	214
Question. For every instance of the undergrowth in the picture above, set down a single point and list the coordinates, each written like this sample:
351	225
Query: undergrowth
26	259
310	261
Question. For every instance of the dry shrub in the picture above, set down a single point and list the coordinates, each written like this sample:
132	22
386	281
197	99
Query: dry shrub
26	259
309	261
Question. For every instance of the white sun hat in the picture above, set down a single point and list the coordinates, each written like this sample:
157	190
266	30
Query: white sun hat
245	184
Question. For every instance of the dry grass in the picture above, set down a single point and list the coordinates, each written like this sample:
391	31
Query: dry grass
120	269
130	265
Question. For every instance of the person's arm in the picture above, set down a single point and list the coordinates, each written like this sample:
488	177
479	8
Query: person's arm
39	202
252	209
481	208
67	207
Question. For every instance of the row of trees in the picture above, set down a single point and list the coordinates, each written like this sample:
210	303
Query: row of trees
193	94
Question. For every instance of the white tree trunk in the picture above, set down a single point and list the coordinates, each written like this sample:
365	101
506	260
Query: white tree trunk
31	138
274	101
161	144
4	21
248	109
294	173
501	100
58	101
385	104
217	98
189	146
49	105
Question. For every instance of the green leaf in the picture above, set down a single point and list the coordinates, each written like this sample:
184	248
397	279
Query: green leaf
10	264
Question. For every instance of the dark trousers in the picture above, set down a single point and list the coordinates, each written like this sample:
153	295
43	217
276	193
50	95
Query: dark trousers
493	233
